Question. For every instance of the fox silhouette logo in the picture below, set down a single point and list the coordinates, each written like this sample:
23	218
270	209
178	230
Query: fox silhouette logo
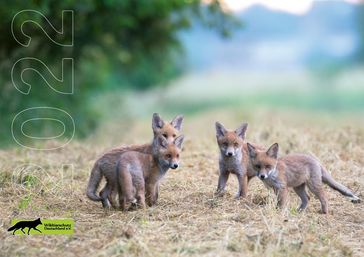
26	224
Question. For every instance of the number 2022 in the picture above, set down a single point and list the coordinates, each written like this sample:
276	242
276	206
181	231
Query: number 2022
31	64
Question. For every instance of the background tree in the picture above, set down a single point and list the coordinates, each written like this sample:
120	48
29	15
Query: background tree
119	44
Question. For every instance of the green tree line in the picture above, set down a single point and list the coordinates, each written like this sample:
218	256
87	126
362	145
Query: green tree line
118	44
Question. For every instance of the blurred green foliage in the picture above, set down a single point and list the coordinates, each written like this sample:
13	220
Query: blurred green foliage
123	44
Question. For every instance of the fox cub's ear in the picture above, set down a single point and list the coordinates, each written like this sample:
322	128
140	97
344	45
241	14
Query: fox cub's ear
273	151
157	122
162	141
240	131
251	150
220	129
177	122
179	140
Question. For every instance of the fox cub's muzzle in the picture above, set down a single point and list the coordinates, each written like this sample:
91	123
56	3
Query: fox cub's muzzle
173	165
262	176
230	152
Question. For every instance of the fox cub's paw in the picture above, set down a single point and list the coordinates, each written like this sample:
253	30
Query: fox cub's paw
106	204
239	196
355	199
219	193
133	204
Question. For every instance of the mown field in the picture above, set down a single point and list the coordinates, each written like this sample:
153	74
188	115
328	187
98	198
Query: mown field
189	220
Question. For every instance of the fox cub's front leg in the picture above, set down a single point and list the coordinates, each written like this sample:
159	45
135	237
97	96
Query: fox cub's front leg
156	195
243	185
223	178
150	194
282	194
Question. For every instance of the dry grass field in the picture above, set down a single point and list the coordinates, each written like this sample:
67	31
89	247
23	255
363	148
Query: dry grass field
188	220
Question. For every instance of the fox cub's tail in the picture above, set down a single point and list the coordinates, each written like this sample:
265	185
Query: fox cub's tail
93	183
327	179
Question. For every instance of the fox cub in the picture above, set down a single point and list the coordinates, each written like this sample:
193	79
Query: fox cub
105	166
139	174
234	158
297	171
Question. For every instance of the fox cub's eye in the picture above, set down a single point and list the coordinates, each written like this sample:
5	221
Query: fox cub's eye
257	167
174	135
168	155
165	135
268	167
225	144
177	155
236	144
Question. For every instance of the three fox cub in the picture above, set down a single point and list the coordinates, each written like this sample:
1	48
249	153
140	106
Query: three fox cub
134	172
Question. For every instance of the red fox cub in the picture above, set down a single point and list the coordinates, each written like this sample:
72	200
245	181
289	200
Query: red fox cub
233	158
105	166
297	171
139	173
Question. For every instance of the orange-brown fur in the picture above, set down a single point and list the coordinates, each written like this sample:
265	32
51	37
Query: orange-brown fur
296	171
139	173
234	158
105	166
